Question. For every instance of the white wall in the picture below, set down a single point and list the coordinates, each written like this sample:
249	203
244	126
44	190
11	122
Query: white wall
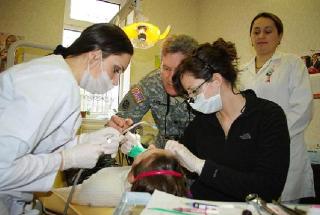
39	21
42	21
231	20
207	20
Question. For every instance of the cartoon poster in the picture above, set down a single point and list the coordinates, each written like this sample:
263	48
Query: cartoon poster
6	40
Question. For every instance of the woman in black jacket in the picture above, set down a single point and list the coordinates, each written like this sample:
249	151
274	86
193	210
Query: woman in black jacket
238	144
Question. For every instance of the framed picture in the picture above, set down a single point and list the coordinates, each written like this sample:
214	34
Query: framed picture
6	39
312	61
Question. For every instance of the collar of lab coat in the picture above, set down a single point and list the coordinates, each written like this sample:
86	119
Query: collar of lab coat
276	55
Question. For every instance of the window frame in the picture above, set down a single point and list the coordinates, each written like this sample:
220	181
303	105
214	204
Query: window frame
79	25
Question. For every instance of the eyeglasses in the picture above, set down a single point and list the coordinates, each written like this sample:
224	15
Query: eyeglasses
195	92
206	69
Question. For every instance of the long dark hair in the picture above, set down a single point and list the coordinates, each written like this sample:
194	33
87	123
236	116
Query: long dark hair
167	183
218	57
108	38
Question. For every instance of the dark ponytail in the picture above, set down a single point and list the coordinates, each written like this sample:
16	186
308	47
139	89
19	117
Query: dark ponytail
227	50
218	57
108	38
60	50
226	60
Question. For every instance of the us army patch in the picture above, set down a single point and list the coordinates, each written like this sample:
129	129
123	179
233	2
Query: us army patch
137	94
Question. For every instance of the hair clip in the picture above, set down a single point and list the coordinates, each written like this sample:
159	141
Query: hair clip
157	172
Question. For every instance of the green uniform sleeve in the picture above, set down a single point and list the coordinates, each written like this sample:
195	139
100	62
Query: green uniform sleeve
135	104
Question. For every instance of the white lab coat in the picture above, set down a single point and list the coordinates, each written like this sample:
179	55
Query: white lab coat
102	189
289	87
39	115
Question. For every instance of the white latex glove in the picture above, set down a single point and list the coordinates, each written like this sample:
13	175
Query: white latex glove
131	140
185	157
81	156
100	136
109	137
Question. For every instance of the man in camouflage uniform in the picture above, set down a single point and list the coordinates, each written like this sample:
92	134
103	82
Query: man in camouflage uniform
155	92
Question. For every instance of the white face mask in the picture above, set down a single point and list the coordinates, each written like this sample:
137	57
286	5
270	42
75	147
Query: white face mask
99	85
207	106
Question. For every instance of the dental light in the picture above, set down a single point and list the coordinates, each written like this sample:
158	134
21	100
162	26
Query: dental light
142	34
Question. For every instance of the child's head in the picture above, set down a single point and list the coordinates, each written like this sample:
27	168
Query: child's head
157	169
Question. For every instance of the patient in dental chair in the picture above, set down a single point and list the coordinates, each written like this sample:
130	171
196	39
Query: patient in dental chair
152	169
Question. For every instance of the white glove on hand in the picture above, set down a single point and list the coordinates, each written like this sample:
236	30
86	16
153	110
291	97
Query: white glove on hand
185	157
108	137
100	136
131	140
81	156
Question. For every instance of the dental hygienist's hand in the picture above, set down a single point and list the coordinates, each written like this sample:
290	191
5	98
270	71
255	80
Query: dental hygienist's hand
132	145
81	156
185	157
100	136
119	123
109	137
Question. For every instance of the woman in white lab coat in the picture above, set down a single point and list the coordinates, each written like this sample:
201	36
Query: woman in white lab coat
282	78
40	113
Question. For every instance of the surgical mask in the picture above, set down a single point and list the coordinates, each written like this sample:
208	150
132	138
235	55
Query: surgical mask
209	105
99	85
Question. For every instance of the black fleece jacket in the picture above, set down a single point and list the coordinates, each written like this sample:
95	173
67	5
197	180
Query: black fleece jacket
253	158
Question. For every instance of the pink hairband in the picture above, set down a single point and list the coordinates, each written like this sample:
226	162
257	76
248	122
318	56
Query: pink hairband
157	172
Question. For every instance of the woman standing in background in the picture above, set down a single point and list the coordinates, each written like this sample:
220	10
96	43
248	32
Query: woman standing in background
282	78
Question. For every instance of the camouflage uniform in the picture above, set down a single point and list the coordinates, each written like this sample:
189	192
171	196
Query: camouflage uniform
149	94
